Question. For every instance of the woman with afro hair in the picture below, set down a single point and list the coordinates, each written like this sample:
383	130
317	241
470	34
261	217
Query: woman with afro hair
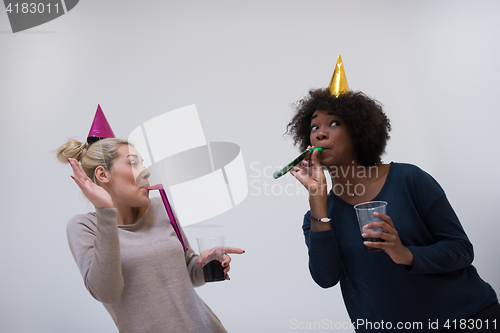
421	278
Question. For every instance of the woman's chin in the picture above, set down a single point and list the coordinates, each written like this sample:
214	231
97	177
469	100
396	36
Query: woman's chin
145	201
142	199
326	162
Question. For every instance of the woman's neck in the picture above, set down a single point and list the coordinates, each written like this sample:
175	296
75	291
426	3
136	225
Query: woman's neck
352	173
128	215
356	183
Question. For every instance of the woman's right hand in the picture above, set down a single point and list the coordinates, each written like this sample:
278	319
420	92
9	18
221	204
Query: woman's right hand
310	173
99	197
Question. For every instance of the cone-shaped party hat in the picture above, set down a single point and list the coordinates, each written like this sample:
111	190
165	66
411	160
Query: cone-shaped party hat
100	128
338	83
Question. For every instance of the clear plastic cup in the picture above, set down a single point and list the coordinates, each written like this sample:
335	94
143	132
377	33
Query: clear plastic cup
212	252
365	211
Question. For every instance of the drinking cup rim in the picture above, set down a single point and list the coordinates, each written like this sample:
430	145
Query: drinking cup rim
382	203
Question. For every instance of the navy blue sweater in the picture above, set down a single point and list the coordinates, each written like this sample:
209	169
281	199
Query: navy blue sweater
442	285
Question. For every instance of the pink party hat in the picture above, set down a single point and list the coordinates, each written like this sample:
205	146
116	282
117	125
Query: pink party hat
100	128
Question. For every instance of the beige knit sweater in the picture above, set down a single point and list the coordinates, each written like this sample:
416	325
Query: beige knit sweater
140	272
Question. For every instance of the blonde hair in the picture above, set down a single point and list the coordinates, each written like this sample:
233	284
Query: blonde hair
100	153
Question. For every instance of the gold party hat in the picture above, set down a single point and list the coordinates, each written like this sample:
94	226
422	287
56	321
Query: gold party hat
338	83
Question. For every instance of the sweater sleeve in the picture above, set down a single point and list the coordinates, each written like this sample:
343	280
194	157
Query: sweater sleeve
195	272
452	249
96	249
324	258
444	246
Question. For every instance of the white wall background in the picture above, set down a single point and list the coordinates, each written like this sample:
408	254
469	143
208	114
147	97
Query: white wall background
433	64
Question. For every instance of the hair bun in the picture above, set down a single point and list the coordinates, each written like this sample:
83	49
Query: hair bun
71	149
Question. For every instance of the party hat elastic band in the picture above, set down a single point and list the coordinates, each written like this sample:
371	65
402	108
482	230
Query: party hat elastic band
338	83
100	128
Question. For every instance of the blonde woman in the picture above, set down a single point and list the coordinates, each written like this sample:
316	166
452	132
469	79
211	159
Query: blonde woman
127	250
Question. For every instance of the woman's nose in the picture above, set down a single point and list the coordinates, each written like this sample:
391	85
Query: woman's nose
145	174
321	135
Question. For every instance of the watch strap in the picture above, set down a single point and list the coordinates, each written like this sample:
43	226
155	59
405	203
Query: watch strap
324	219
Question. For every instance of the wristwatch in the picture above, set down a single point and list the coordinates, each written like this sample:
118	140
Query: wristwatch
324	219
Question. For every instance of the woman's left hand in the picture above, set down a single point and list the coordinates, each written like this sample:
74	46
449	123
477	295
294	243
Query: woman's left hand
208	255
399	253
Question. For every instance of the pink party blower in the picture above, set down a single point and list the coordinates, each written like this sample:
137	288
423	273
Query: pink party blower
169	212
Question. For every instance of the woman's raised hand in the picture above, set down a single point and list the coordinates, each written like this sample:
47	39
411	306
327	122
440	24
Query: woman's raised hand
310	173
95	193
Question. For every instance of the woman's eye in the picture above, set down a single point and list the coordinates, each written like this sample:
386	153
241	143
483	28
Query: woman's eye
335	123
314	128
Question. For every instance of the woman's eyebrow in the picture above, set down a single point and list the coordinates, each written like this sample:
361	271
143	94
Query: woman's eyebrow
133	155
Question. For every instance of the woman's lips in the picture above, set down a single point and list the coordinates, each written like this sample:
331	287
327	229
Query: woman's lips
145	187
